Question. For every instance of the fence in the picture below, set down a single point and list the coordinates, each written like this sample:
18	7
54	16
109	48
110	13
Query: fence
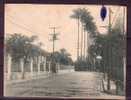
32	68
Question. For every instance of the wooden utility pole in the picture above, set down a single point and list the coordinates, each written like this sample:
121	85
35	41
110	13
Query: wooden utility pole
54	38
109	51
124	58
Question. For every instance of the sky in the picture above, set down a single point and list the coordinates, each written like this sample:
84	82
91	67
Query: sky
36	19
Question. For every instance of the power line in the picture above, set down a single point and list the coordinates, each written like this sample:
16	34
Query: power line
20	26
115	16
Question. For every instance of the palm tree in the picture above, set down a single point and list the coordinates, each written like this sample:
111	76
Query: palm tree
76	15
83	15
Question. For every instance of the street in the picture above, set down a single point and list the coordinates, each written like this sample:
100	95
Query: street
75	84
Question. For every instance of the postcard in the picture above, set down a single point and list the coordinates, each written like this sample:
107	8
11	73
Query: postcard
65	51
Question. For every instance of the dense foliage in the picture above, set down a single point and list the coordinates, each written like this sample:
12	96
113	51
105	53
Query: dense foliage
86	19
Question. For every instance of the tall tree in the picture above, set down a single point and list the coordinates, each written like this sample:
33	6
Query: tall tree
86	20
76	15
63	57
112	60
21	47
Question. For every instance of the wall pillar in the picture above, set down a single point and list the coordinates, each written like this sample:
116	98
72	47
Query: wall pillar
9	63
39	62
44	64
58	67
49	66
31	67
22	67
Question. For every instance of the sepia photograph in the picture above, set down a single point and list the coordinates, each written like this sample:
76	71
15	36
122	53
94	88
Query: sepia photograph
65	51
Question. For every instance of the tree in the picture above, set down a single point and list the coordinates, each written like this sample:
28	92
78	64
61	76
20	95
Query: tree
22	47
118	45
112	49
63	57
86	19
76	15
84	16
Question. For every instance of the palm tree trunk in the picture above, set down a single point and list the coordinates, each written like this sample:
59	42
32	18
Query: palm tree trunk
87	44
81	40
108	64
22	64
84	44
78	39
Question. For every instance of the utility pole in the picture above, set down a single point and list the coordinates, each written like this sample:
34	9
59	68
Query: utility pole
124	58
109	51
54	38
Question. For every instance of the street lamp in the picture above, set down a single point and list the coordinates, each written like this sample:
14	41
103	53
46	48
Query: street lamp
99	58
